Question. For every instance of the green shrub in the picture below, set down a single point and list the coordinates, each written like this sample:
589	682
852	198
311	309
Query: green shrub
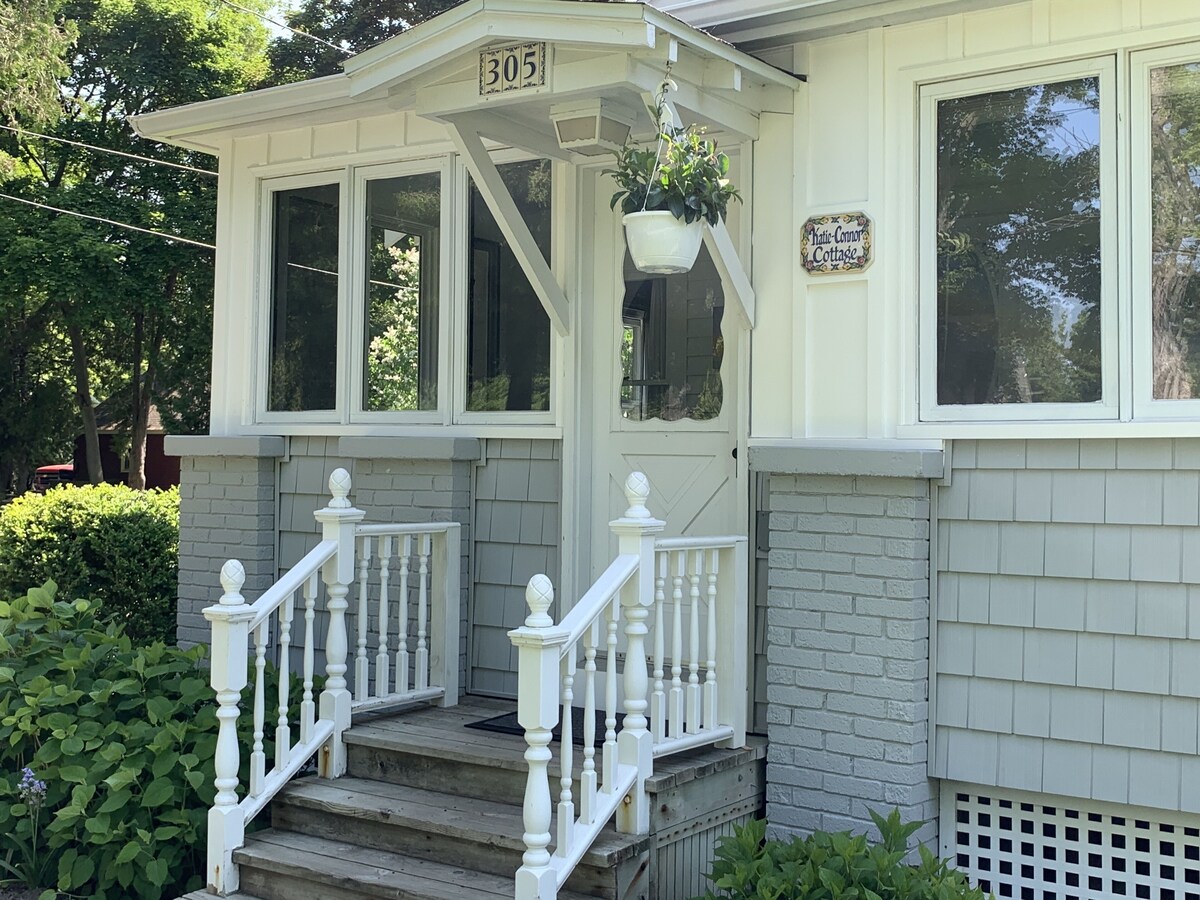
825	866
106	541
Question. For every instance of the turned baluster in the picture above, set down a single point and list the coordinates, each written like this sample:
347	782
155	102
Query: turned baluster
710	664
283	731
258	759
609	751
422	660
402	646
308	709
566	803
693	689
675	717
362	665
658	699
383	679
587	779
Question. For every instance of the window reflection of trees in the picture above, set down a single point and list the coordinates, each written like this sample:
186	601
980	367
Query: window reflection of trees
1175	237
672	346
1018	245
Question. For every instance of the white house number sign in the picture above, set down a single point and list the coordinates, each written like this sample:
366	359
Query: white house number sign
515	68
839	243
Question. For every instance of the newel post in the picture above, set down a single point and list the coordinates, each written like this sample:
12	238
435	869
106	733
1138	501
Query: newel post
337	524
230	620
539	648
636	532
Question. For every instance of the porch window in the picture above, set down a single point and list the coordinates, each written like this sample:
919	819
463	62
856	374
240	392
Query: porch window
508	340
1020	215
304	298
402	285
671	344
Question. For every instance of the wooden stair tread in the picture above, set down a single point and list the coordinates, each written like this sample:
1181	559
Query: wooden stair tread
373	873
485	822
205	895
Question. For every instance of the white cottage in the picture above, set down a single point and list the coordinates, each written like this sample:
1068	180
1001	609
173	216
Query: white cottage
937	372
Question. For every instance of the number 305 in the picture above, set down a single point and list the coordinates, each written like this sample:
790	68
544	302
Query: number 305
510	68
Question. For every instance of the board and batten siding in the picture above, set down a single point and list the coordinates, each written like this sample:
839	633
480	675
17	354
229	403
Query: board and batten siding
1067	654
517	534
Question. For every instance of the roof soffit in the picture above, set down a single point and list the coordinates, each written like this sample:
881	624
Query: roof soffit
614	50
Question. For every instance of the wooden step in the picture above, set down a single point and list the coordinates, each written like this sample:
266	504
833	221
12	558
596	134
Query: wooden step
279	865
479	834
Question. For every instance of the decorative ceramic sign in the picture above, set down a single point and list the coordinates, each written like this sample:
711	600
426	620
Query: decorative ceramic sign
516	68
840	243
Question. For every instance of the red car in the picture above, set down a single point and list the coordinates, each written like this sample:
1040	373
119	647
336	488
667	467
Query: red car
47	477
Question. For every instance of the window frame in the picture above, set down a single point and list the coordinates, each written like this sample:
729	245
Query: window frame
1141	62
453	313
261	375
929	95
358	414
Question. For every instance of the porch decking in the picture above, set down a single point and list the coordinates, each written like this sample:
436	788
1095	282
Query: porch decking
431	809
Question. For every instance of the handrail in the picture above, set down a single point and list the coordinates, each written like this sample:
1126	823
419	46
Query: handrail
291	581
406	528
597	598
699	580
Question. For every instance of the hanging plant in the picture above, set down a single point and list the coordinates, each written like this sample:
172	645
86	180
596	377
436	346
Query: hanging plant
667	193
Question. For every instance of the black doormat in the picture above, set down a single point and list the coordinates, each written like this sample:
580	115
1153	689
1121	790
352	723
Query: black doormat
507	724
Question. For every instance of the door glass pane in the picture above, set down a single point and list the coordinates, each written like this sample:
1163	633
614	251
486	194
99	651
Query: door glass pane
403	219
1175	239
671	344
1018	245
508	349
304	299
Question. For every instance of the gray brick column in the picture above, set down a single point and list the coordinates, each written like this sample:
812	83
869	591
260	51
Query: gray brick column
226	511
848	652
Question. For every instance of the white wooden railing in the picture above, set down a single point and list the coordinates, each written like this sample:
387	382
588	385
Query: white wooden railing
674	591
425	560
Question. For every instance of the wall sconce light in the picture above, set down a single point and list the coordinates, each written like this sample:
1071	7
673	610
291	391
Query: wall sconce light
591	127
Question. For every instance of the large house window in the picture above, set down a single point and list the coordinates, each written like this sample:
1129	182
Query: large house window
304	298
1018	219
1174	194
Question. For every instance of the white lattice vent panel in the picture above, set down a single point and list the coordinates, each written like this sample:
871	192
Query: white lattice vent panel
1038	847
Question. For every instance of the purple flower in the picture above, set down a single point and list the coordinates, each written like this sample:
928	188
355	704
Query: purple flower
31	790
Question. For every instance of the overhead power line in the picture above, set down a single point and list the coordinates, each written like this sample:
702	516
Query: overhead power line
68	212
157	162
269	20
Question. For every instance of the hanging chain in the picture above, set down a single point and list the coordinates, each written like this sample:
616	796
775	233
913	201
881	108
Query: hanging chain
663	89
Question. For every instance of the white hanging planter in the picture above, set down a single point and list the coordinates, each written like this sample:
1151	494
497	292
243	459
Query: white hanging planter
661	244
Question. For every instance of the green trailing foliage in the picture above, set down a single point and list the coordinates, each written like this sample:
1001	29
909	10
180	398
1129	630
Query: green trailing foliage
837	866
685	175
106	541
121	740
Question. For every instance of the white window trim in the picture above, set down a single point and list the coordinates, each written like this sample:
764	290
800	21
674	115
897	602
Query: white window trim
357	312
260	375
1141	62
1110	297
348	417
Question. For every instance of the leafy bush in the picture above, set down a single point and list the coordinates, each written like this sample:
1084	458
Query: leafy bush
839	866
106	541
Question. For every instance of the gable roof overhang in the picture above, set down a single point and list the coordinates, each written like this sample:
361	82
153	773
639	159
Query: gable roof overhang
616	52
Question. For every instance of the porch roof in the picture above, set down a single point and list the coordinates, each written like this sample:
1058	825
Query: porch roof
617	51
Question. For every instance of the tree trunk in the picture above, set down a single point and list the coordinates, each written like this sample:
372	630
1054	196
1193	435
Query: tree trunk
83	396
143	384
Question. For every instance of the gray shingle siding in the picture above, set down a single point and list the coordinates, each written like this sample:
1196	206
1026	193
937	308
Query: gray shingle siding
1067	617
847	652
